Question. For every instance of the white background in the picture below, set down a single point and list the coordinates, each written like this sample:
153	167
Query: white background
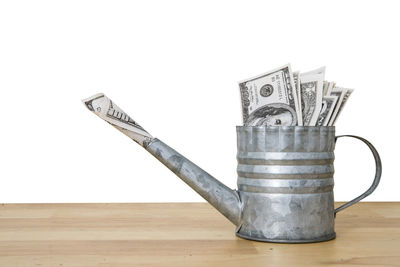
174	66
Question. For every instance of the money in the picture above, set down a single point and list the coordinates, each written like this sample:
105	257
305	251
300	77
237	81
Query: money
331	85
270	99
328	104
344	95
103	107
280	97
325	88
297	87
311	86
339	93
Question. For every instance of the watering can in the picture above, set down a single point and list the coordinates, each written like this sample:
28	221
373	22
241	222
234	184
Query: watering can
285	177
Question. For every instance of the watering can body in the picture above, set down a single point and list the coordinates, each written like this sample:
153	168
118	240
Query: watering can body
285	180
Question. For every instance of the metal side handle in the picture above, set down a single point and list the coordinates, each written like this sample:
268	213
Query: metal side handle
378	173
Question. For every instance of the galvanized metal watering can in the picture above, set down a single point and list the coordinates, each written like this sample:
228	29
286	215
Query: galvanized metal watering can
285	179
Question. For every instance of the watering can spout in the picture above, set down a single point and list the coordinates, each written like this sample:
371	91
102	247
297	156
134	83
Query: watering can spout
224	199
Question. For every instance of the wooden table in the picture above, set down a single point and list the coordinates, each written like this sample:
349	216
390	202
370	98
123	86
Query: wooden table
182	234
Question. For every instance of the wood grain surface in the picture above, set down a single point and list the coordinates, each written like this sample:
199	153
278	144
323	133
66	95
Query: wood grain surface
183	234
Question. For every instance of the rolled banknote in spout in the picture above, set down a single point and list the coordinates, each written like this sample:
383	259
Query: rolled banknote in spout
103	107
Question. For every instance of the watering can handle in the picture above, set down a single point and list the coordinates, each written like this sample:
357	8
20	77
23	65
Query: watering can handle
378	173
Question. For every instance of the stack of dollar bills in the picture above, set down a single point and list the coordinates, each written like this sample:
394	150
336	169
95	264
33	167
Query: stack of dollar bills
285	98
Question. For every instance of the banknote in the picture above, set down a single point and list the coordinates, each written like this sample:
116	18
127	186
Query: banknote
325	88
328	104
311	86
103	107
331	85
339	92
297	87
345	96
270	99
